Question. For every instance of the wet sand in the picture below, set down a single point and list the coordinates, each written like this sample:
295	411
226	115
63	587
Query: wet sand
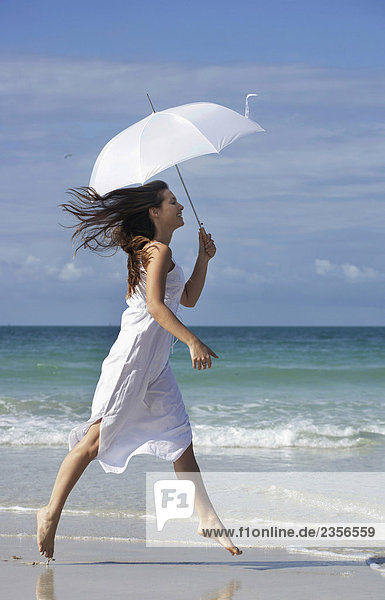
107	569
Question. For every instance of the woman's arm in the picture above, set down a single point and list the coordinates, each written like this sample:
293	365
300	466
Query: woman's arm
194	285
157	269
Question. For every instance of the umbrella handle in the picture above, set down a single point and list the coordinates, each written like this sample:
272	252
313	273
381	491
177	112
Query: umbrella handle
204	234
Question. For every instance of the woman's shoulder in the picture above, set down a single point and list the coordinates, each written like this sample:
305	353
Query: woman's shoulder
153	248
158	253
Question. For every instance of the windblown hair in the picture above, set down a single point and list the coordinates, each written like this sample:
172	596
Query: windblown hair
118	219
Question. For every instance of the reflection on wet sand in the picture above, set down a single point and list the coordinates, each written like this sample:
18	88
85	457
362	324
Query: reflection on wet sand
45	585
45	588
223	593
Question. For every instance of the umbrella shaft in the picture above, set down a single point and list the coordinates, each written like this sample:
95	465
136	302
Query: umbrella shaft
183	183
188	196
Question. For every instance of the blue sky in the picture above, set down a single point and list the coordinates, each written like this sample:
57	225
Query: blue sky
297	212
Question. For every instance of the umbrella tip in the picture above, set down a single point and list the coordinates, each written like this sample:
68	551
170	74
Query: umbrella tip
149	99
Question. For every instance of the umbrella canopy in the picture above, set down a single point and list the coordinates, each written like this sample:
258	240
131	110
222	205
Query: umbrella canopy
165	139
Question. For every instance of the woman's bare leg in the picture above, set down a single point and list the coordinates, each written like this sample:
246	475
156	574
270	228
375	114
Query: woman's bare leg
186	467
70	470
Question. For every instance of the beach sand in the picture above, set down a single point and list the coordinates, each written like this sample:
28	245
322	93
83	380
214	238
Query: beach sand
110	569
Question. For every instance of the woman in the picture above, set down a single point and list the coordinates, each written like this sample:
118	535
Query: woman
137	406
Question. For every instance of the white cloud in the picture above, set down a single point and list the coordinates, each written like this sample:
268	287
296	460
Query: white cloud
71	272
350	272
234	272
31	267
242	275
355	274
105	84
313	182
313	148
323	266
116	276
251	242
32	261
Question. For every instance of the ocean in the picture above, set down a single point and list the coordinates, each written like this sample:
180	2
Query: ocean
277	399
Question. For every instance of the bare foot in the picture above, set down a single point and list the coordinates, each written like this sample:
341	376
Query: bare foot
46	529
216	526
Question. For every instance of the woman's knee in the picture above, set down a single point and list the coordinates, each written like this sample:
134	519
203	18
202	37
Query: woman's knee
90	442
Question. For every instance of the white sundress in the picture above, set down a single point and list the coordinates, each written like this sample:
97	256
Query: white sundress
137	396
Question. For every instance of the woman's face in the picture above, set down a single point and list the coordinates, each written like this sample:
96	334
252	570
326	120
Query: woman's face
169	214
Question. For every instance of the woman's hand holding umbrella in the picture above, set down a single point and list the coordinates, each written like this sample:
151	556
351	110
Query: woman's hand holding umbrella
207	247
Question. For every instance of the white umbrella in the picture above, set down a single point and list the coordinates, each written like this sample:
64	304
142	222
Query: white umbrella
164	139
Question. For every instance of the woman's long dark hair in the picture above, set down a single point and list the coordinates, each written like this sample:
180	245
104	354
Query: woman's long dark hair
118	219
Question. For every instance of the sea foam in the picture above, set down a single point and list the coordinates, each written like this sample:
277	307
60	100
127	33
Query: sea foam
300	434
44	430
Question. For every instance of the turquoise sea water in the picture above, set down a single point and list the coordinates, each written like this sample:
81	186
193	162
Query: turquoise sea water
272	387
277	399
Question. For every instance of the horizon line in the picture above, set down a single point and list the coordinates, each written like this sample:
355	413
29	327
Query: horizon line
118	325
